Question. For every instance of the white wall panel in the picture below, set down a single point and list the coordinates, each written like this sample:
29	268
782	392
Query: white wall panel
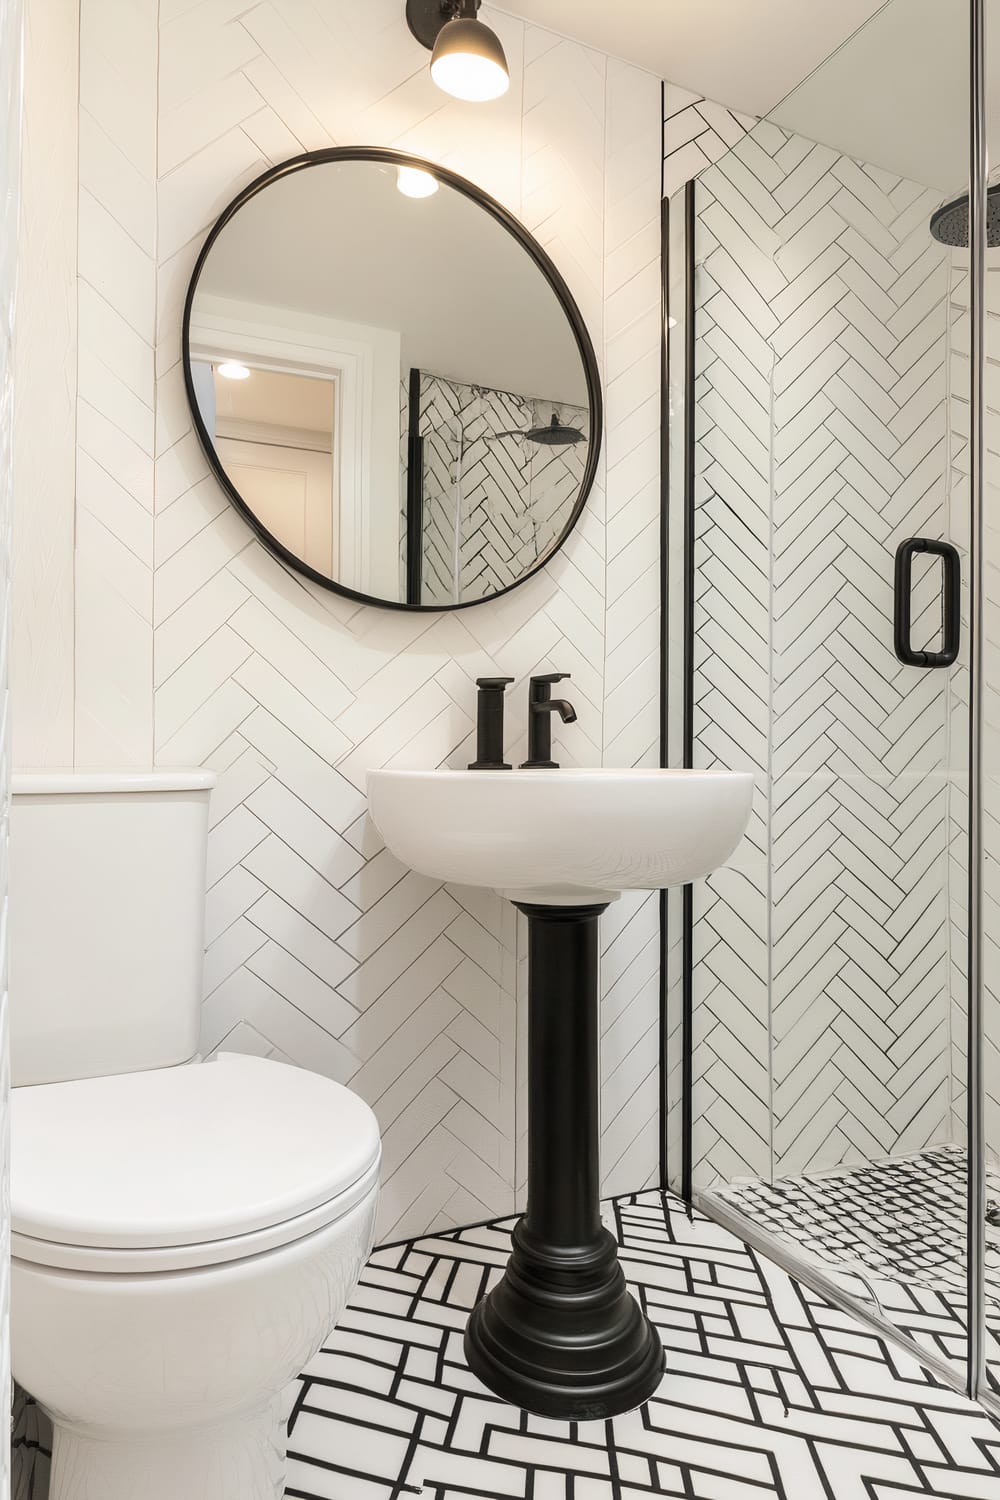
42	666
116	392
11	22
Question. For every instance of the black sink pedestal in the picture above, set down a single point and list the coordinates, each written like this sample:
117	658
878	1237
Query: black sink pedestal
561	1335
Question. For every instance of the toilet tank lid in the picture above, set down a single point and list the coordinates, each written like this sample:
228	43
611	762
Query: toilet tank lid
70	782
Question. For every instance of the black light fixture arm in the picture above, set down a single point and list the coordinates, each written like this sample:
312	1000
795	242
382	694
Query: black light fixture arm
425	18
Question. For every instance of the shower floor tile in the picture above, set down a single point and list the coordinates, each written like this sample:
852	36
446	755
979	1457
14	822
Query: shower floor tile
769	1390
892	1234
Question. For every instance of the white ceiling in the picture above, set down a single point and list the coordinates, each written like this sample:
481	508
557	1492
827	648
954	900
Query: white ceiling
886	81
277	398
898	95
745	53
338	241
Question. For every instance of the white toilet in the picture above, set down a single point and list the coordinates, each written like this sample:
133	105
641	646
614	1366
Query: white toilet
184	1237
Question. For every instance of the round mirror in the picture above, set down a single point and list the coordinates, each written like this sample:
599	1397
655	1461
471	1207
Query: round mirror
391	379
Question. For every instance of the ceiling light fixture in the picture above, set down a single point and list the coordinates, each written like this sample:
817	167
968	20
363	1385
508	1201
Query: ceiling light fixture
231	369
416	183
468	59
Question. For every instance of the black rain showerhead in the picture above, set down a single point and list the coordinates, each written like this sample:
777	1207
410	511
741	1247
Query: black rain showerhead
950	224
555	435
552	435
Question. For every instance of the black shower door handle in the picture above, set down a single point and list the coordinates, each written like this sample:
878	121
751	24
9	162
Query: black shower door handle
952	602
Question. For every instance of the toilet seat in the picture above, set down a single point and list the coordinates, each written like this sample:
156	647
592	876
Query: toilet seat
184	1167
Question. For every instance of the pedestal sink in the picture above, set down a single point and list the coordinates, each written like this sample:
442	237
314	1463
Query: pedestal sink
560	1335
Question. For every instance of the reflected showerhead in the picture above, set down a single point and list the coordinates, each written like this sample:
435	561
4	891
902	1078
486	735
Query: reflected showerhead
950	223
552	435
555	434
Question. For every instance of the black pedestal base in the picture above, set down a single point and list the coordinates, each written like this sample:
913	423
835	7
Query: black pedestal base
561	1335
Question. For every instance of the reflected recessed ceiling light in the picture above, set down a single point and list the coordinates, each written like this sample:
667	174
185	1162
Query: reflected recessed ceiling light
231	369
468	60
416	183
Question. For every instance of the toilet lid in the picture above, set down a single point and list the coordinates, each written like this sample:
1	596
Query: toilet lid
185	1155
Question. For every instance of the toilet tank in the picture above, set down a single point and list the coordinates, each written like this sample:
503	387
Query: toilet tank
107	920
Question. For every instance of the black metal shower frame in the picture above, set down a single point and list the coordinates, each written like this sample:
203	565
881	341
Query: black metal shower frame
667	541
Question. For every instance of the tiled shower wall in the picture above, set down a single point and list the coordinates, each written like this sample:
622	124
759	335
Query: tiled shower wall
514	495
167	631
821	954
10	161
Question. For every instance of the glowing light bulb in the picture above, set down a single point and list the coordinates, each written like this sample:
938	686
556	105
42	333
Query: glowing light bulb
231	369
474	79
415	183
469	62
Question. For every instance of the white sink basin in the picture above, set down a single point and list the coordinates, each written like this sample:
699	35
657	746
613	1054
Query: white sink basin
562	837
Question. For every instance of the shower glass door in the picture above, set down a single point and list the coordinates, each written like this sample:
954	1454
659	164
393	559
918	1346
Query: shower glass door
989	700
820	384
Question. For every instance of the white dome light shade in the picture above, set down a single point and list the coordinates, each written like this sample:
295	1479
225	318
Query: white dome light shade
469	62
231	369
413	182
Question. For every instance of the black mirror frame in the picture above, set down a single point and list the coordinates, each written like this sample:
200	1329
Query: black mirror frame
513	227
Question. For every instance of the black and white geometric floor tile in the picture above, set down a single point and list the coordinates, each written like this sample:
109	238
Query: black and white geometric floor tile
892	1232
769	1391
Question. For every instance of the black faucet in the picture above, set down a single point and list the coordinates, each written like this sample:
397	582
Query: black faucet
541	707
489	725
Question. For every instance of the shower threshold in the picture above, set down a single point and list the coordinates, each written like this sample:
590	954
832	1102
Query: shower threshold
885	1240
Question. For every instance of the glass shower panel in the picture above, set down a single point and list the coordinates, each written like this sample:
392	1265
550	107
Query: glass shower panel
677	1051
826	1108
991	717
441	428
732	1125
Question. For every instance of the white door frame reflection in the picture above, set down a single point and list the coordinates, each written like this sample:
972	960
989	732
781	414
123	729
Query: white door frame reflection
362	363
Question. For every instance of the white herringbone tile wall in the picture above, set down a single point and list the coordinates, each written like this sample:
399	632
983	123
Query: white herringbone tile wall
821	955
194	645
696	132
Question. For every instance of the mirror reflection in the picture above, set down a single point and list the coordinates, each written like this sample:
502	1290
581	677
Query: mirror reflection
392	381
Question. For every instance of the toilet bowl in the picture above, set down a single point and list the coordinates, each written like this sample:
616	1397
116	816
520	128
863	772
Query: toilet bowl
184	1236
182	1242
